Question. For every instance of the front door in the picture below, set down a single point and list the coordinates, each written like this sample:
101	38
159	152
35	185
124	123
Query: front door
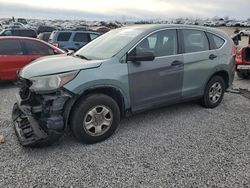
156	82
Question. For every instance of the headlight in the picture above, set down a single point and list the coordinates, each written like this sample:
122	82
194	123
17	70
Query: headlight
52	82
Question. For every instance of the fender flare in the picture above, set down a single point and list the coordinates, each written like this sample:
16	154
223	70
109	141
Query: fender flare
75	97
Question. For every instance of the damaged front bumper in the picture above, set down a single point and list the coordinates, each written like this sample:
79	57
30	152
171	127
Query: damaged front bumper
38	118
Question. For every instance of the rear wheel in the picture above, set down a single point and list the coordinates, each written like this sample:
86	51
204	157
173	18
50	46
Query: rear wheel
214	92
95	118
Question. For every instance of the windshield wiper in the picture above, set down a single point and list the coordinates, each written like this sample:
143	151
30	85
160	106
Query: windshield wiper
82	57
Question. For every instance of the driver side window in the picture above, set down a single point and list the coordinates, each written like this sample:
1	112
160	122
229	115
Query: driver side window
161	43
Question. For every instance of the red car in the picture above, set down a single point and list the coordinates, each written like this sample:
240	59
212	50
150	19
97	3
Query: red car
243	62
16	52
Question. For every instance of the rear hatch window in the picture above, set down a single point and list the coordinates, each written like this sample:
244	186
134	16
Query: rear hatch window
216	42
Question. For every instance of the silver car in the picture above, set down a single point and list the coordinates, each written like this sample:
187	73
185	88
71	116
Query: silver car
122	72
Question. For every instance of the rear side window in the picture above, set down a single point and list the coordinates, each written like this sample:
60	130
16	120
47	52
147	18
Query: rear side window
10	47
63	36
215	41
93	36
194	41
37	48
81	37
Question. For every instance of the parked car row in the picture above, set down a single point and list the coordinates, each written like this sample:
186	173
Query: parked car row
72	40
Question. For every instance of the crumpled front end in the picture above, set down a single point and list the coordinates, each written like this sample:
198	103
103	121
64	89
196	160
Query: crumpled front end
38	118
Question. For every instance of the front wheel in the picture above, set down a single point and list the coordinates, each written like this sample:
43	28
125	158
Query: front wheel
214	92
95	118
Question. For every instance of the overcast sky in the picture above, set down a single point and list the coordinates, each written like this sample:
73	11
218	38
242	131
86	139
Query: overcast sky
124	9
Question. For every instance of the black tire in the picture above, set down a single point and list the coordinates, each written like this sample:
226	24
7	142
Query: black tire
242	75
206	101
77	120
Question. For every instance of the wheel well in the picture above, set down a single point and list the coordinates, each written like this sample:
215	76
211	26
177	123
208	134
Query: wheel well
109	91
224	75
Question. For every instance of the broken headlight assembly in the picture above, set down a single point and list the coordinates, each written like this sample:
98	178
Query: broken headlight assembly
51	82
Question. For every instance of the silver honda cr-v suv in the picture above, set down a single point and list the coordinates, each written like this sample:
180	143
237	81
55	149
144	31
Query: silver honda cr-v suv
122	72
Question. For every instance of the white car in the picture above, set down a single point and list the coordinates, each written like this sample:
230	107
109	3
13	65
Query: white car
245	32
245	24
210	24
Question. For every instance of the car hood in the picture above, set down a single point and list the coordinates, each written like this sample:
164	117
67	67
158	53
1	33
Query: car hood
57	64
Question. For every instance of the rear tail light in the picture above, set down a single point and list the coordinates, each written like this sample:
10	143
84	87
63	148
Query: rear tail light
234	50
55	44
239	57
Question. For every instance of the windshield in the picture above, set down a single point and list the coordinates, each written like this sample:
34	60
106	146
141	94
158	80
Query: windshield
109	44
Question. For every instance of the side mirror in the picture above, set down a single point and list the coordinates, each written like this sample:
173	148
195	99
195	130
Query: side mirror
141	56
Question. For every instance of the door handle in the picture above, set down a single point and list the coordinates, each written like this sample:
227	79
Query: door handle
77	44
212	56
176	63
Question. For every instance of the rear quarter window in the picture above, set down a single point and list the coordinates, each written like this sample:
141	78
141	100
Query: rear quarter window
64	36
216	42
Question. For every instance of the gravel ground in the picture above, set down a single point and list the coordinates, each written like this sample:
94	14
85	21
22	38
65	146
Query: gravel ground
183	145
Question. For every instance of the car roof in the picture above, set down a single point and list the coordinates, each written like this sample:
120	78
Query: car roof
18	37
75	31
154	27
18	29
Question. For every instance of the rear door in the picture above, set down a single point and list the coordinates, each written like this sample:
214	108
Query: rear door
12	58
156	82
80	39
34	49
199	61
